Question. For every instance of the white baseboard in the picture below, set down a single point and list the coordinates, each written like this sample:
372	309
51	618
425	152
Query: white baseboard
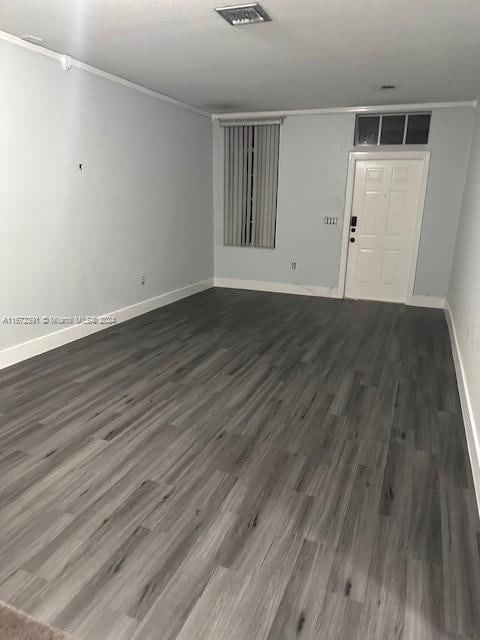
471	428
35	347
277	287
432	302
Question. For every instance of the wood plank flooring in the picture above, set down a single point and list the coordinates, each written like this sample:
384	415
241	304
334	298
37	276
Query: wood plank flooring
243	466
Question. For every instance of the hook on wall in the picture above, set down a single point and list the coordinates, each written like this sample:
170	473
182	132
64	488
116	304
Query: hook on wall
66	62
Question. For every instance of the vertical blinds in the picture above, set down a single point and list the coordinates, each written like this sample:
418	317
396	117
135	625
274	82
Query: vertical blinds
251	180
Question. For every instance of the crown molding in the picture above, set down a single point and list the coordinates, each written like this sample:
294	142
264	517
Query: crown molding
67	62
384	108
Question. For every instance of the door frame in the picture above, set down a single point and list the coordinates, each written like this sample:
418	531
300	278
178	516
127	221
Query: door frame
353	158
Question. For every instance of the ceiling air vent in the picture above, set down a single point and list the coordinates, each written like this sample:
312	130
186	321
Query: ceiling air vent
244	14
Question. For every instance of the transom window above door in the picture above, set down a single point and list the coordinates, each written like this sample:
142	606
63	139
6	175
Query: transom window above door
392	128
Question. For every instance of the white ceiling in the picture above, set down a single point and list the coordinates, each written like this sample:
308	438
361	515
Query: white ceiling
315	53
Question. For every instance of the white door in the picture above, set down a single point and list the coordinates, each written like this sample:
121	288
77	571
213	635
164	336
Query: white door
386	200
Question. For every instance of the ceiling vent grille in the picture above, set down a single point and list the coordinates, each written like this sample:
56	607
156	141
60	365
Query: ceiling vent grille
244	14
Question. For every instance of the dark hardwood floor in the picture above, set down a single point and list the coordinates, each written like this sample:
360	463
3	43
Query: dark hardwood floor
242	466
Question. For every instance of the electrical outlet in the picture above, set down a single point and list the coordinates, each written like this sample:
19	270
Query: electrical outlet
142	280
476	340
294	266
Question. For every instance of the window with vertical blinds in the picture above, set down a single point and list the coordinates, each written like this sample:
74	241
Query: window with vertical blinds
251	180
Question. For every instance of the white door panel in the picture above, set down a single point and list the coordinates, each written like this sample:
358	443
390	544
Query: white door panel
374	175
386	198
389	270
364	266
371	209
396	208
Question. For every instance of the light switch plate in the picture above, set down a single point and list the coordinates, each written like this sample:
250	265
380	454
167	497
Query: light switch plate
332	220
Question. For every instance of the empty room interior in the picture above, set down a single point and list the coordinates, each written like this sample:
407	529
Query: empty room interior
239	320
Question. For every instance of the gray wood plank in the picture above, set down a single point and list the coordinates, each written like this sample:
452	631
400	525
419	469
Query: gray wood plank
243	465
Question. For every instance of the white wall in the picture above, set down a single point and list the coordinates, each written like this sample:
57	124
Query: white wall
77	243
312	177
464	303
450	140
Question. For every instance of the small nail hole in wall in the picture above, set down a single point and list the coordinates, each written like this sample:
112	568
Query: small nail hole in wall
80	166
